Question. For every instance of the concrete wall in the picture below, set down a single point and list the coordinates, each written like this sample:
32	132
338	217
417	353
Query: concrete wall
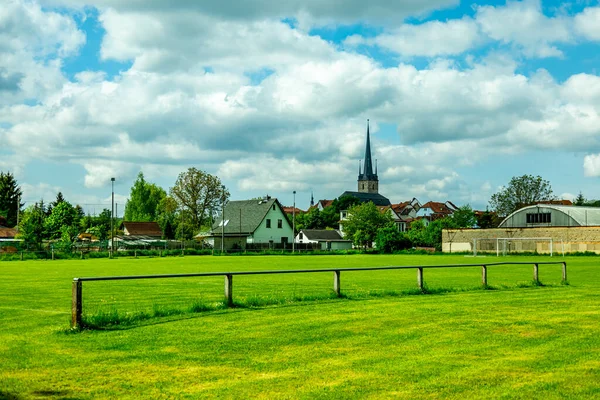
573	239
336	245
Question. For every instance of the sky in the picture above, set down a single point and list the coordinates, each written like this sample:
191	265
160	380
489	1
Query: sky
273	96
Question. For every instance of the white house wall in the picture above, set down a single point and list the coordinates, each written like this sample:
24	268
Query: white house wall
262	234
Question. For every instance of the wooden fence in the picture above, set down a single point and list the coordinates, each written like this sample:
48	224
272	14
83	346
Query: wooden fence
77	293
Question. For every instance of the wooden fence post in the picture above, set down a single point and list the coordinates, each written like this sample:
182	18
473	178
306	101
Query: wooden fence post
53	254
484	275
420	277
229	290
21	256
77	304
536	273
336	282
564	272
81	254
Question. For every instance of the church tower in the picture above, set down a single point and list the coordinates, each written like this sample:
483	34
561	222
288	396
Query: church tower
368	182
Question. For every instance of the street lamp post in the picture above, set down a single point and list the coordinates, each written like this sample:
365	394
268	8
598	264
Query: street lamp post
222	219
112	217
294	224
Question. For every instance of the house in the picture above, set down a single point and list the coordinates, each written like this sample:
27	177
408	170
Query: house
327	239
321	204
406	213
150	230
7	234
432	211
253	222
290	211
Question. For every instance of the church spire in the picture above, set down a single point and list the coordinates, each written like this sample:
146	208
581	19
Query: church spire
368	170
368	182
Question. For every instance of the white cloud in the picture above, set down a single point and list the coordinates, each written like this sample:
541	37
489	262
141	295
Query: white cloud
523	24
591	165
430	39
316	11
587	23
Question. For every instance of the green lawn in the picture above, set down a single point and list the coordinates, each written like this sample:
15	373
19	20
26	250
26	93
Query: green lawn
519	341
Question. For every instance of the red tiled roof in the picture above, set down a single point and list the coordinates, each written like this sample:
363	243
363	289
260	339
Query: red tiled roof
142	228
325	203
290	210
438	208
400	206
8	233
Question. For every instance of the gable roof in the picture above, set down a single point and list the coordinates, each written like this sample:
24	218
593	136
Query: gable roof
290	210
322	235
440	208
142	228
7	233
244	216
375	198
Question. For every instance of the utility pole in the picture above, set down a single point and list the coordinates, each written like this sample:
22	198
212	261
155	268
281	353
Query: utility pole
294	224
222	218
112	217
18	210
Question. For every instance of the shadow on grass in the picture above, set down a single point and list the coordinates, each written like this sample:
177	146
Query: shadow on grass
113	319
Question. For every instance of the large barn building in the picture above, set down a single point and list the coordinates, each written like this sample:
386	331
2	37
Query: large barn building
541	228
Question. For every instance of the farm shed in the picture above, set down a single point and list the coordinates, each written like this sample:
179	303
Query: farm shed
327	239
552	215
146	229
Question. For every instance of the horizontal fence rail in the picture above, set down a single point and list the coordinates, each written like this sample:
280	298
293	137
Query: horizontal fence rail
77	290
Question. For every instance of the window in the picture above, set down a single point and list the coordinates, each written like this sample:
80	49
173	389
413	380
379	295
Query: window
539	218
279	223
273	207
301	235
268	223
284	239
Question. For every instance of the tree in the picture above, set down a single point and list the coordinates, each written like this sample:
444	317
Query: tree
416	233
580	200
31	226
143	202
487	220
389	239
363	222
167	217
101	225
59	199
64	215
200	193
464	217
520	192
433	233
10	193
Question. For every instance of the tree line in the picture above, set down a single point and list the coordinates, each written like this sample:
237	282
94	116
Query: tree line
193	203
189	207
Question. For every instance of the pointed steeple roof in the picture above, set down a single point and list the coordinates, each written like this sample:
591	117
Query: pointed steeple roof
367	172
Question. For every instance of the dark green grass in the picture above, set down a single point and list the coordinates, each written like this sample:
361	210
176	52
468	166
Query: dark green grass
289	338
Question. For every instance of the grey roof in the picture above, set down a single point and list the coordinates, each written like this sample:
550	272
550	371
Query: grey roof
375	198
583	216
244	216
322	234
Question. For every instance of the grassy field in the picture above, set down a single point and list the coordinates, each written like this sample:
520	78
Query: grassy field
520	341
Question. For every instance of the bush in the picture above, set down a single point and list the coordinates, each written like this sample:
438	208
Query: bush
389	240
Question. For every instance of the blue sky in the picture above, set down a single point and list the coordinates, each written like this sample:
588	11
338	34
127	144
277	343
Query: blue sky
273	97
